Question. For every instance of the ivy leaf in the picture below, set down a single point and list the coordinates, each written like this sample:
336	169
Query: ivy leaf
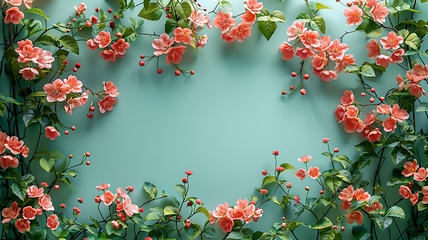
69	43
33	26
383	223
267	28
303	16
29	117
39	12
48	40
183	10
47	164
413	41
277	16
395	211
152	13
20	190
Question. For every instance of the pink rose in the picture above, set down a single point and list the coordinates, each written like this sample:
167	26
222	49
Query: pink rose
52	222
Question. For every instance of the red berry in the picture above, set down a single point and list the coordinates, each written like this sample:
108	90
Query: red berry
321	191
70	155
109	10
91	108
74	20
263	191
88	163
283	92
141	210
142	56
78	65
188	172
336	150
325	140
291	87
73	128
275	152
372	90
187	225
283	218
80	29
307	188
283	225
118	34
306	76
198	201
382	99
168	8
192	72
177	73
88	154
264	172
111	24
56	187
303	91
184	180
97	9
142	63
159	70
74	69
65	61
90	115
348	4
342	228
189	203
371	100
363	94
169	15
66	132
293	74
116	17
80	200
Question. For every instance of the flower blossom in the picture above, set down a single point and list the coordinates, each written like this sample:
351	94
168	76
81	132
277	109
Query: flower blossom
162	45
314	172
295	30
13	15
80	9
110	89
391	41
287	51
56	91
103	39
13	144
23	225
52	222
253	6
7	161
379	12
224	21
241	32
10	213
51	133
182	35
175	54
107	103
353	15
355	216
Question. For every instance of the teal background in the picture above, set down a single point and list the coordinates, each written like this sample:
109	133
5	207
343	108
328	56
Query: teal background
222	123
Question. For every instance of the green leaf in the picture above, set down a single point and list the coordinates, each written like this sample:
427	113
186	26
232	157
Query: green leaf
146	4
375	33
360	232
170	25
71	172
319	6
39	12
319	22
277	16
225	6
19	189
60	27
33	26
29	117
287	166
423	107
183	10
209	232
322	223
152	13
303	16
235	236
367	71
395	211
153	216
267	28
136	23
47	164
204	211
344	160
268	180
422	207
151	189
48	40
69	43
2	109
383	223
170	210
181	189
413	41
27	179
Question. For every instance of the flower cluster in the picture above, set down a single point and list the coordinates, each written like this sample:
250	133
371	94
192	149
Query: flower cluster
412	80
230	31
243	211
109	51
376	10
348	113
13	14
390	43
313	172
412	190
309	45
29	212
13	146
33	59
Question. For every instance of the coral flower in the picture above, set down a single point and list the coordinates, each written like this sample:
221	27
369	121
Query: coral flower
103	39
374	135
175	54
103	186
310	39
348	98
7	161
34	192
13	15
74	83
29	73
287	51
355	216
220	210
326	75
52	222
3	137
379	12
10	213
347	194
304	53
373	48
56	91
319	61
162	44
346	60
91	44
45	202
410	168
14	2
253	6
353	15
120	46
107	103
301	174
182	35
421	174
28	212
108	55
108	198
128	207
80	9
198	19
23	225
224	21
418	73
295	30
399	114
51	133
391	41
28	3
13	144
389	125
337	50
304	159
110	89
361	196
249	17
225	224
241	32
314	172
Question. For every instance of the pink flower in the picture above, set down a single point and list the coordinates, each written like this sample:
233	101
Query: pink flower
340	113
375	206
314	172
353	15
410	168
418	73
337	50
51	133
297	199
361	196
383	109
310	39
162	44
355	216
52	222
399	114
351	111
120	46
249	17
225	224
45	202
34	192
202	41
108	198
74	83
28	3
107	103
257	214
45	60
421	174
227	37
110	89
182	35
326	75
374	135
29	213
91	44
13	15
3	137
295	30
80	9
121	193
383	60
389	125
241	32
348	98
346	60
319	61
415	90
304	159
14	144
373	48
325	43
198	19
301	174
24	151
391	41
128	207
56	91
235	214
224	21
304	53
371	3
175	54
287	51
7	161
71	104
347	194
220	210
23	225
397	56
253	6
414	198
10	213
29	73
103	186
108	55
379	12
14	2
103	39
345	205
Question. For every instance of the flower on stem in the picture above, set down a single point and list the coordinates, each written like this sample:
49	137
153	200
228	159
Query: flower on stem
353	15
13	15
51	133
10	213
301	174
355	216
314	172
224	21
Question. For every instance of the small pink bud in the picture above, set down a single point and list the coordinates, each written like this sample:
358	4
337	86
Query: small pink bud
279	169
184	180
141	210
80	200
44	184
189	172
325	140
336	150
264	172
198	201
288	185
263	191
56	187
275	152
